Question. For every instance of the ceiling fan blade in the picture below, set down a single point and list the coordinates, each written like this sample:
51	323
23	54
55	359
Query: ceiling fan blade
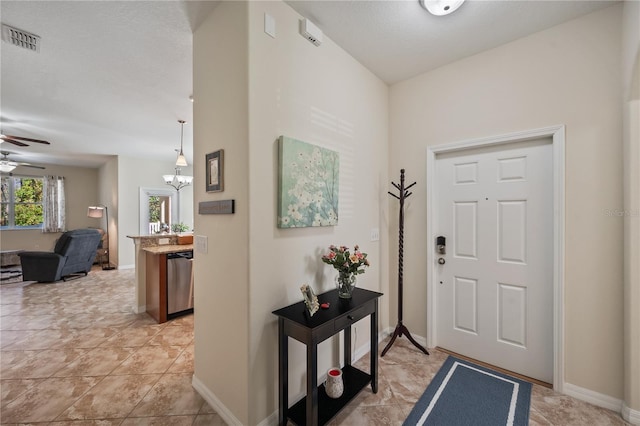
6	139
26	139
32	166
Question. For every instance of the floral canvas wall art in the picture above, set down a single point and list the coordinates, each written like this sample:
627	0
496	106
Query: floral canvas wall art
308	185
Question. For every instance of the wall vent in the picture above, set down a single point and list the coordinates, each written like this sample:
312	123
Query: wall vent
20	38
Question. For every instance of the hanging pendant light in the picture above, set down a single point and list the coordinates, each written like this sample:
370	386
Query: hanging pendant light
178	180
181	161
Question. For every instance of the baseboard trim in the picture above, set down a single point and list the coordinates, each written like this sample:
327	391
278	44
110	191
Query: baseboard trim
272	420
120	268
629	415
214	402
389	331
593	397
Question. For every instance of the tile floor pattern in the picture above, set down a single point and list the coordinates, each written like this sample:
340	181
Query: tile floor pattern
72	353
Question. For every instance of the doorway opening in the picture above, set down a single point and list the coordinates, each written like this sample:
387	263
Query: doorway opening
159	213
158	209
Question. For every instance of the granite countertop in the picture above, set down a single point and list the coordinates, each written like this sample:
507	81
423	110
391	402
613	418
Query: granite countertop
154	236
168	248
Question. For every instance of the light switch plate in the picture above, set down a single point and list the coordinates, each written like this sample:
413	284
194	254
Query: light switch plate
269	25
375	234
202	244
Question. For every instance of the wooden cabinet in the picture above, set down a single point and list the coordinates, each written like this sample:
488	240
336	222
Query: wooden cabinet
156	280
157	286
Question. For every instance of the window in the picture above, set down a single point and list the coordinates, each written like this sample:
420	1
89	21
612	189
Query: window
21	203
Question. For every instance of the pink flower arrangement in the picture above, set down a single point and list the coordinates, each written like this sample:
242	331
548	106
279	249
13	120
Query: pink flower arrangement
346	262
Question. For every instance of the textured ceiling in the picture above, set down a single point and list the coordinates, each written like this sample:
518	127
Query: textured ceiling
113	77
398	39
110	78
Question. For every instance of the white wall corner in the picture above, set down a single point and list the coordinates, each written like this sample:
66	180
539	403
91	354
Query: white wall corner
629	415
593	397
385	333
215	403
272	420
132	266
141	309
364	349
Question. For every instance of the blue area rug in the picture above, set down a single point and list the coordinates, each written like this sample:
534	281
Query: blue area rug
463	393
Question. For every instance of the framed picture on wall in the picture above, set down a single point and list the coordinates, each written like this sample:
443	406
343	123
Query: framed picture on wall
215	171
308	184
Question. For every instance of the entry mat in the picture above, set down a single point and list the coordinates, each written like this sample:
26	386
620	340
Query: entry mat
464	393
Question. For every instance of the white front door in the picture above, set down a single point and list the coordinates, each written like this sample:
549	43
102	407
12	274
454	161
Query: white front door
494	292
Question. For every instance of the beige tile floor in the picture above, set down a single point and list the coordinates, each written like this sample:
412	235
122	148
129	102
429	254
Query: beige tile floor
72	353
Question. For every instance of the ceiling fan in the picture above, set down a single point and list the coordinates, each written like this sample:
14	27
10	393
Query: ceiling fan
14	140
7	165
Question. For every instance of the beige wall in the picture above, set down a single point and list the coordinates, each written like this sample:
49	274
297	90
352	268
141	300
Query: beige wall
134	173
323	96
292	85
108	195
569	74
81	186
220	47
631	93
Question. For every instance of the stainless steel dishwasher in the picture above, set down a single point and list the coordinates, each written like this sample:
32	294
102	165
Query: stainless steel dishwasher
179	284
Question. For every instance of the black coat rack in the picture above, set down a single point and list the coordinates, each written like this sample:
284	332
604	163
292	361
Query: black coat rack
400	327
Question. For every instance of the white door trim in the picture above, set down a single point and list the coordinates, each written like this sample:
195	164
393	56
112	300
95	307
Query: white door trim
145	193
557	135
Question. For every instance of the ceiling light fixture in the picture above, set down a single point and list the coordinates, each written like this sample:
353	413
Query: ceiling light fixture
181	161
177	180
7	166
441	7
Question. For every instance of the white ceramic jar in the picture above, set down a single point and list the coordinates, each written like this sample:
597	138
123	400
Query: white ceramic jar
334	385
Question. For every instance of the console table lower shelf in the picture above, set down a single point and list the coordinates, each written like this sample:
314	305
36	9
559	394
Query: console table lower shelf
354	381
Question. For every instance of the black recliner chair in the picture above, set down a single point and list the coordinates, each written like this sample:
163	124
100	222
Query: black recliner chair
74	253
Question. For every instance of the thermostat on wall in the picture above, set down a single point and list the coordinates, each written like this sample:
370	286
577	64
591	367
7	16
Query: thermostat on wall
309	31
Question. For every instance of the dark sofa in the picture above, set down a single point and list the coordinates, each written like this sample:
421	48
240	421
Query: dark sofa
73	254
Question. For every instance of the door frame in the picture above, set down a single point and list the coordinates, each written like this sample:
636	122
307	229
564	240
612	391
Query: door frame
557	135
145	193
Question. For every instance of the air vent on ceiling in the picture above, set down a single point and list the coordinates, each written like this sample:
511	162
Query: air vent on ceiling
20	38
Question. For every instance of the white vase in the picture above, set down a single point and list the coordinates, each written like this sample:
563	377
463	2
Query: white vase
334	385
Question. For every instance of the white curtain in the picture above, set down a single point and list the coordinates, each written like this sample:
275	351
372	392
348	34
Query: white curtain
54	204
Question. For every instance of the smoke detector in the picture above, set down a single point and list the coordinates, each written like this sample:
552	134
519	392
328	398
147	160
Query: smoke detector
20	38
309	31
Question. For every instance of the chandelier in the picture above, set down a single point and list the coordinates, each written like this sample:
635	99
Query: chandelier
178	180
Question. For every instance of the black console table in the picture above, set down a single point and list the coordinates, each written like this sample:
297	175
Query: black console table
294	321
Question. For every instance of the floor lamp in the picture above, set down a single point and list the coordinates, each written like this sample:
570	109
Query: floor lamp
98	211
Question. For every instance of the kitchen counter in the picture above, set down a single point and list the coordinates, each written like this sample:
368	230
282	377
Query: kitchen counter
148	246
168	248
158	279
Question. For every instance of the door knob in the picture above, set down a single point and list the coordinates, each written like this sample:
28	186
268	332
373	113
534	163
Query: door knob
441	261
